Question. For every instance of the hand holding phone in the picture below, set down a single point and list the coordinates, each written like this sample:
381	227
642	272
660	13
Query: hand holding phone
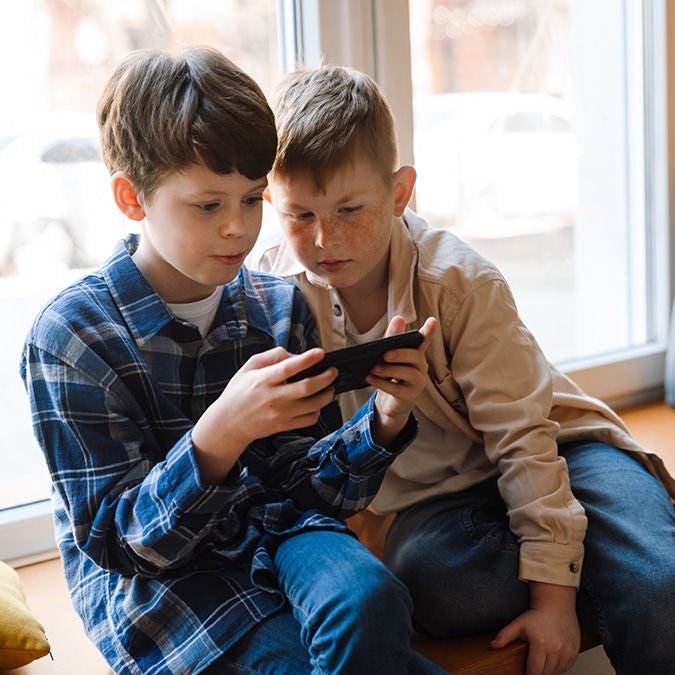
355	363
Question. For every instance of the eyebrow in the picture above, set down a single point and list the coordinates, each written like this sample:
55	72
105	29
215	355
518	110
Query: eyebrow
216	193
358	194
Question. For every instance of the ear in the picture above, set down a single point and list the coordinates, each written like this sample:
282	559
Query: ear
126	197
404	182
267	195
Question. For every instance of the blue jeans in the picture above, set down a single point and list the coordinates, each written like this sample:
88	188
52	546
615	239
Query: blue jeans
461	545
348	614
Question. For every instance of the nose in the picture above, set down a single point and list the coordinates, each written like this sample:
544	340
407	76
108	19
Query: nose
232	224
326	233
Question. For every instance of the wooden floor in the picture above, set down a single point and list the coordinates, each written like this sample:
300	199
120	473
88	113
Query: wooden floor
653	425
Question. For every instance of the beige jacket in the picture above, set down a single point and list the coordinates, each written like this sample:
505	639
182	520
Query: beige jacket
490	386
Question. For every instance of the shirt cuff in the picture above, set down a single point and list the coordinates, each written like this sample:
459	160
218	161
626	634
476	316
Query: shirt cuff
404	438
187	492
551	563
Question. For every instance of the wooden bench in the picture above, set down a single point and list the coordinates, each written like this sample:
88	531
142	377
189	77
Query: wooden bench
472	655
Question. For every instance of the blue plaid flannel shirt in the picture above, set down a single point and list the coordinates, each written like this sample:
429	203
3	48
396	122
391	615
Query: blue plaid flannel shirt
167	573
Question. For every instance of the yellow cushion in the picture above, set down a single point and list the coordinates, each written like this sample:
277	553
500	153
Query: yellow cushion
22	637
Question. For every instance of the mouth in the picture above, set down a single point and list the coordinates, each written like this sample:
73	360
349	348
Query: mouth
235	259
332	265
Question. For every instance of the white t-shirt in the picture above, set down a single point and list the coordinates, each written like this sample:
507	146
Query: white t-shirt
199	313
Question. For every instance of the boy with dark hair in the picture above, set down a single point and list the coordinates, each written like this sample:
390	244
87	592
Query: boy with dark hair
519	489
199	495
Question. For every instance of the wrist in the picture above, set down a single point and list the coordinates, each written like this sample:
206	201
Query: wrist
216	451
386	427
546	596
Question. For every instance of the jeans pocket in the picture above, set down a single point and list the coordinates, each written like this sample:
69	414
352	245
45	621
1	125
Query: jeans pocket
485	520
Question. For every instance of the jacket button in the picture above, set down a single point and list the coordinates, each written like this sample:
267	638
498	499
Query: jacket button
337	310
574	567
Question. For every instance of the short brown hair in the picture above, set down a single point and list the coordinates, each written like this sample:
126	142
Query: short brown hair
326	116
161	112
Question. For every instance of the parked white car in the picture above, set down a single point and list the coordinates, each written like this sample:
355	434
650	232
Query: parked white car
57	203
496	164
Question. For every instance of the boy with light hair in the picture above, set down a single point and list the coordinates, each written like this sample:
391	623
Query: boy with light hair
523	506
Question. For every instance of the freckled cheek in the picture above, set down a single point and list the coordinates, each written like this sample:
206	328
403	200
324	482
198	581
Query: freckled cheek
301	241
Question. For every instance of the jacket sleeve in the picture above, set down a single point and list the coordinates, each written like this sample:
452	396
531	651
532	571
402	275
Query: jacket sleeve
507	388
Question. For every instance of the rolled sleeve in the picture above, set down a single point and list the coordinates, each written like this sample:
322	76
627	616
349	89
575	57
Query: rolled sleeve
508	390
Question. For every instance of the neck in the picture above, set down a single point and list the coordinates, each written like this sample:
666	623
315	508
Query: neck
366	302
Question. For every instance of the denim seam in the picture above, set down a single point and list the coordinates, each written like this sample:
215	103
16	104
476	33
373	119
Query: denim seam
605	637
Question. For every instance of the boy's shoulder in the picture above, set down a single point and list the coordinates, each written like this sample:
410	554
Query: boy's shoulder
73	315
444	258
100	303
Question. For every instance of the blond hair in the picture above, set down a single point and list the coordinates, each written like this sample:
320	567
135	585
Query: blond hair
326	117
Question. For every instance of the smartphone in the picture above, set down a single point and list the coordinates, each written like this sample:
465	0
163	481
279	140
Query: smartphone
355	362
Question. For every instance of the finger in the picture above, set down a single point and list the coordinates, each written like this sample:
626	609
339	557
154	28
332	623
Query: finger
396	326
569	664
506	635
266	358
309	386
304	412
428	329
389	385
536	661
295	363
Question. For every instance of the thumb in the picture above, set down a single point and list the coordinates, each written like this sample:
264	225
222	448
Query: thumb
427	331
396	326
505	636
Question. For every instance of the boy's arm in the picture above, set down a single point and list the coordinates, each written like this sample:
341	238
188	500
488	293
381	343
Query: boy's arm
508	391
346	469
129	513
507	386
339	474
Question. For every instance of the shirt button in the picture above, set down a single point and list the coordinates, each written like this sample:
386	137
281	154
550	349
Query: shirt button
337	310
357	435
574	567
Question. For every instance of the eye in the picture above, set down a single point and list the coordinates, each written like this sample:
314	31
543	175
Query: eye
208	207
349	210
253	201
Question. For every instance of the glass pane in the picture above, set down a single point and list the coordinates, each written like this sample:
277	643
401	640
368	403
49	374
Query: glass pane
523	141
58	217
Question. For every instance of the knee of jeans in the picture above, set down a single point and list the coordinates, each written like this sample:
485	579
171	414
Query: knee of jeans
381	598
453	596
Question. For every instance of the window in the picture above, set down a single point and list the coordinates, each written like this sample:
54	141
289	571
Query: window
546	162
540	144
